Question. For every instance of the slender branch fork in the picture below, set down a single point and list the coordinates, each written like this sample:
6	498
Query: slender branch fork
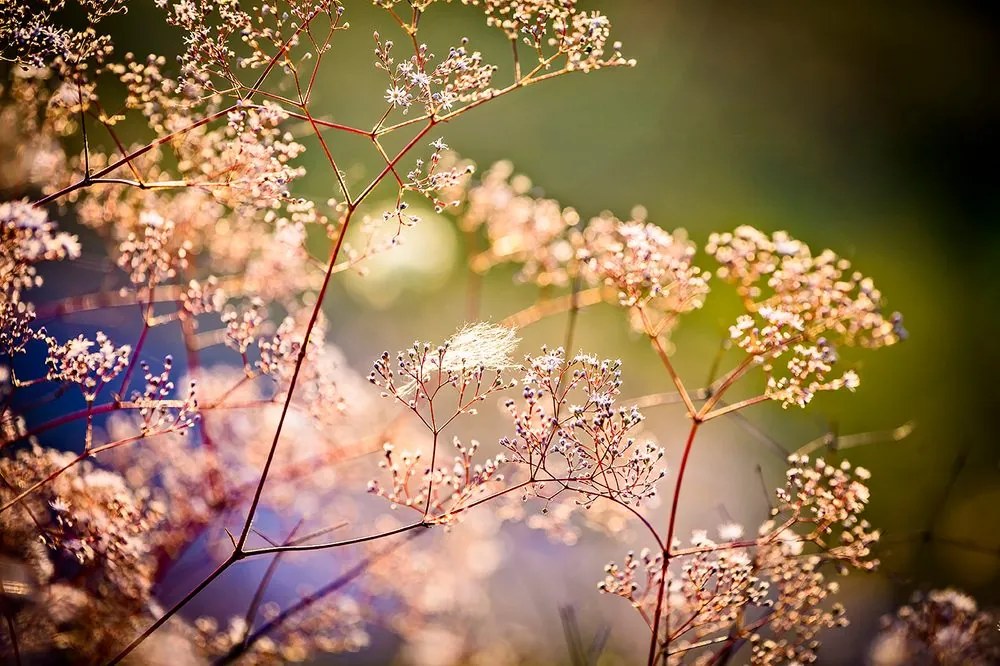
697	416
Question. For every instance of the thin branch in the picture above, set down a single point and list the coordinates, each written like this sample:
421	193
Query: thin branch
574	311
668	544
299	360
860	439
265	581
665	359
552	306
735	407
329	156
305	602
300	548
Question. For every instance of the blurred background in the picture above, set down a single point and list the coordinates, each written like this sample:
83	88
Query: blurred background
866	128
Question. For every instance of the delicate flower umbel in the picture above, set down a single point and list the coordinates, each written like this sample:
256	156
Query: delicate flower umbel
569	431
203	297
781	273
16	329
249	162
317	391
161	409
808	368
146	256
27	238
769	337
707	595
771	334
33	38
243	328
771	589
556	29
442	178
439	385
451	487
651	269
461	77
800	307
225	39
827	501
799	609
90	364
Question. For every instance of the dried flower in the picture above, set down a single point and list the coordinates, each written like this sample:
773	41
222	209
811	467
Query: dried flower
570	432
941	627
780	273
800	307
651	269
465	361
74	362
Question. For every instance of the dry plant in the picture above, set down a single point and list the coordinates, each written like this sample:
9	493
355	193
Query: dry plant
186	175
941	627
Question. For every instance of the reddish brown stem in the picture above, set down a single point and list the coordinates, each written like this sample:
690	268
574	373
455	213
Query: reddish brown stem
84	182
654	640
299	360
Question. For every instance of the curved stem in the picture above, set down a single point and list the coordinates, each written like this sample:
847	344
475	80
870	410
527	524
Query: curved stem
725	384
336	544
735	407
574	311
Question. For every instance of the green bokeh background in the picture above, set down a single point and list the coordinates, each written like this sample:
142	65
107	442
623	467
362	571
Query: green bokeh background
869	128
